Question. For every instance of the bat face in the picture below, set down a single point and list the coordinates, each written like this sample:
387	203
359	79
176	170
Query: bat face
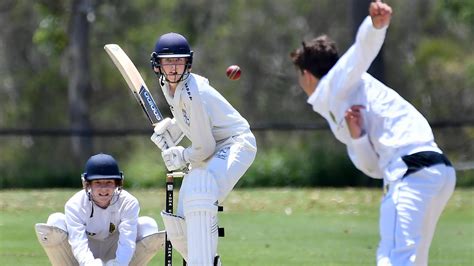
135	82
151	110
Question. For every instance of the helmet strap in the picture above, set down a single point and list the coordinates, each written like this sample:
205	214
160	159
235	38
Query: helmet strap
88	192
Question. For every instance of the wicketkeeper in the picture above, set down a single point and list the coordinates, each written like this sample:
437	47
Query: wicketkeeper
386	137
222	149
100	225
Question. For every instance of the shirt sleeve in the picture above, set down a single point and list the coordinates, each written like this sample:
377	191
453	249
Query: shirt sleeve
76	228
364	156
358	58
127	231
335	88
203	142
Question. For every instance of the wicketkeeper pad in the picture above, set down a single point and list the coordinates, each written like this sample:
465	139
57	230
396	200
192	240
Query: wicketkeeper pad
147	248
55	244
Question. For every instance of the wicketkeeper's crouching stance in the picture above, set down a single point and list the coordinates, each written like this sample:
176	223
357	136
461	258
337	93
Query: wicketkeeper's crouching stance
101	224
222	149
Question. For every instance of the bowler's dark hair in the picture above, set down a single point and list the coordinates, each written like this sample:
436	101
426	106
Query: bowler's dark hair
317	56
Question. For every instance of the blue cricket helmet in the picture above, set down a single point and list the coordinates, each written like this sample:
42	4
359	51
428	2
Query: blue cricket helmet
171	45
102	166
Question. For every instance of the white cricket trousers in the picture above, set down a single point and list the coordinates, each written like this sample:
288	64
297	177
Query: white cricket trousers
227	166
206	185
409	213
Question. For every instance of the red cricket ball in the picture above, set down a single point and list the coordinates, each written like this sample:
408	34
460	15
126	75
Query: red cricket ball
233	72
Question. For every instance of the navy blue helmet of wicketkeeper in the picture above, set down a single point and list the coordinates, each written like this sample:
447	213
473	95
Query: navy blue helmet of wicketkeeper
102	166
171	45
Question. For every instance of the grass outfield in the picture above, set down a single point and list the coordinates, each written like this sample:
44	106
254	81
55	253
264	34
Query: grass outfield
263	226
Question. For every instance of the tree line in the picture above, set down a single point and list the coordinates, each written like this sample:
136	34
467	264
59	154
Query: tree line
54	73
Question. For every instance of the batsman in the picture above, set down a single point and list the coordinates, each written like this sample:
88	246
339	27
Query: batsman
222	149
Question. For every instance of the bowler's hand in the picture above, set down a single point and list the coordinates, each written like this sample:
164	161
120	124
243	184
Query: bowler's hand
380	13
355	121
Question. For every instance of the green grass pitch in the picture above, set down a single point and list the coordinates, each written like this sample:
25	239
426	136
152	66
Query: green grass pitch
263	226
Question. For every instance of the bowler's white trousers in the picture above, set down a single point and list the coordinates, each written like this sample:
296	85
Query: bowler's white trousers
409	213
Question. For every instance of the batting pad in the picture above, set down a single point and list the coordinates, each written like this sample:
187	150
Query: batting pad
200	212
55	244
202	237
176	230
147	248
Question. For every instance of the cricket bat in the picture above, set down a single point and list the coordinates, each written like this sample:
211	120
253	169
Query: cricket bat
143	96
135	82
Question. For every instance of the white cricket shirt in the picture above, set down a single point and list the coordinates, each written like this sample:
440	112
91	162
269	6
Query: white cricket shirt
204	116
85	219
393	126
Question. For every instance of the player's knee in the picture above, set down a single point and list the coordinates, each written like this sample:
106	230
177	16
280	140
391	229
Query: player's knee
200	181
201	192
146	226
58	220
54	232
50	235
200	202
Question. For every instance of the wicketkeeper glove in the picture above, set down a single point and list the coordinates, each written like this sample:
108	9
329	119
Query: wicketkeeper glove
167	134
174	158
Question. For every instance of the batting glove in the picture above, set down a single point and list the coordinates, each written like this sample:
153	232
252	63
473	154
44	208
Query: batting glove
174	158
167	134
